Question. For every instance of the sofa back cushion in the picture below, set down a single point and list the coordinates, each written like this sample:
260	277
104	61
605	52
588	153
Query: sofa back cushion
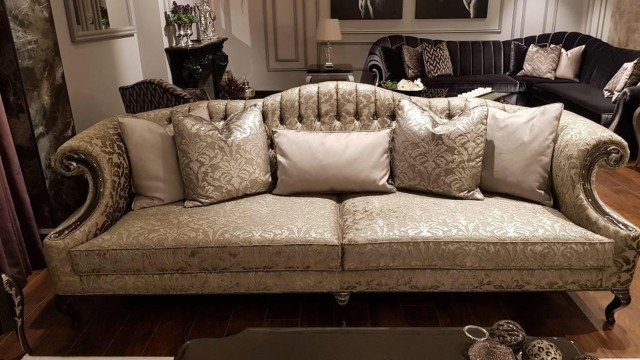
467	57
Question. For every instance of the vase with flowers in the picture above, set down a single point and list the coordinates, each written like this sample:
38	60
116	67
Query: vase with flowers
183	16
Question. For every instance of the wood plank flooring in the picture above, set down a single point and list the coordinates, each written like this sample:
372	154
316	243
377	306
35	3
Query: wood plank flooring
158	325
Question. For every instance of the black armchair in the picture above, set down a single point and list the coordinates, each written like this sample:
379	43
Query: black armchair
152	94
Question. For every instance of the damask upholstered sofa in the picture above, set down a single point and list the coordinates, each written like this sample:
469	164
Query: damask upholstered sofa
343	243
487	64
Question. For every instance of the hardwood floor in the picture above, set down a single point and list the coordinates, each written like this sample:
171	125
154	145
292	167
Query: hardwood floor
158	325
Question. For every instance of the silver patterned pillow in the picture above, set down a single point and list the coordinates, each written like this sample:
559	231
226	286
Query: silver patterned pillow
437	155
222	161
541	62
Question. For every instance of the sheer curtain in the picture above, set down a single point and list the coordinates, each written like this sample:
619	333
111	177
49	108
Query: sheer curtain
20	245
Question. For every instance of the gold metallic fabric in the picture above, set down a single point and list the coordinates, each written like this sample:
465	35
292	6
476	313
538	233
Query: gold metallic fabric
439	156
420	231
255	233
222	161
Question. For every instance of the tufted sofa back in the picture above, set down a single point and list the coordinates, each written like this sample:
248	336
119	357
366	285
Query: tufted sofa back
327	106
467	57
599	64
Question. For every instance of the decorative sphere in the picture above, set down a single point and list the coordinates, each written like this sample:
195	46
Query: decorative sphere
490	350
508	333
541	350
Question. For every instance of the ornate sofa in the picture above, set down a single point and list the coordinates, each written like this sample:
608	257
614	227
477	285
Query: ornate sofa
343	243
487	63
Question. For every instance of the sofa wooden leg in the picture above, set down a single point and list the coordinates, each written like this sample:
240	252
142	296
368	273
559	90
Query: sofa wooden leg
342	298
14	293
621	299
65	305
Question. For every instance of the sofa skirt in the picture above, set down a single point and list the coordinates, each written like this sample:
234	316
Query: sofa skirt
353	281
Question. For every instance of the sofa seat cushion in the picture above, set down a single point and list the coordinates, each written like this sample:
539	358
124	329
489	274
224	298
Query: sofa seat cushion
581	98
257	233
460	84
416	231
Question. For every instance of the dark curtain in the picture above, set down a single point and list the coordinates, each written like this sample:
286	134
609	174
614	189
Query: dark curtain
20	245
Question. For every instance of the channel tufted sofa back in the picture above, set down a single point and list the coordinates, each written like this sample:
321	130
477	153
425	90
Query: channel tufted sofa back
327	106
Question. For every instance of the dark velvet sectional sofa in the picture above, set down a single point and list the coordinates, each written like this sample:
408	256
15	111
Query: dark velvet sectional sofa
486	64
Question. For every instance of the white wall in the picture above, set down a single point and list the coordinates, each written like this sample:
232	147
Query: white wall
95	70
276	59
151	38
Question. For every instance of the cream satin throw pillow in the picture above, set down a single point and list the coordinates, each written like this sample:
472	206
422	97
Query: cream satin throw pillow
439	156
569	64
333	162
155	171
519	150
222	161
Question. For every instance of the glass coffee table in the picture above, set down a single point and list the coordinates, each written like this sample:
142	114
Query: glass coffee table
343	343
440	92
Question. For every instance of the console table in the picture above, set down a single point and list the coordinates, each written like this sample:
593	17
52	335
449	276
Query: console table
192	66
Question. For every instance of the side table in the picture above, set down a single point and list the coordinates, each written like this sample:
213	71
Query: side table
339	70
192	66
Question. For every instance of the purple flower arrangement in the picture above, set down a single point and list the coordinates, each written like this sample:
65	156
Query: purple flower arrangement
182	14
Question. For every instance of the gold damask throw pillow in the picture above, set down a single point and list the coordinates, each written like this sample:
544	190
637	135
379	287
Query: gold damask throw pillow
439	156
222	161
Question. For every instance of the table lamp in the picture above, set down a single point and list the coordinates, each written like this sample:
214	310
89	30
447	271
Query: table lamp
328	30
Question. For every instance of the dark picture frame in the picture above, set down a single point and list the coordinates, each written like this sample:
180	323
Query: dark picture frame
452	9
366	9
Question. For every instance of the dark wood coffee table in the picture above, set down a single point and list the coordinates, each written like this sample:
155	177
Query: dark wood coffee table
342	343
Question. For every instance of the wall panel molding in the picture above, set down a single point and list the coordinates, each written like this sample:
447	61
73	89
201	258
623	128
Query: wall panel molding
277	42
516	18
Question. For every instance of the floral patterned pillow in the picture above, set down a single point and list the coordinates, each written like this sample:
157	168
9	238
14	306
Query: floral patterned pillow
436	155
222	161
